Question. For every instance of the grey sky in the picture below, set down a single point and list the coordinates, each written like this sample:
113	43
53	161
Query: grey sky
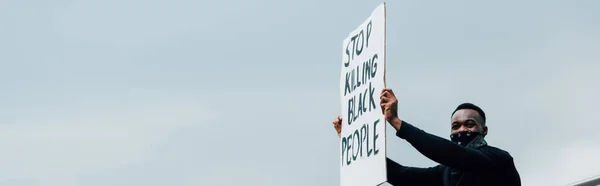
131	92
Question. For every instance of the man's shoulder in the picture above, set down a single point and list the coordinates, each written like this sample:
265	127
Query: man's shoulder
496	152
494	149
504	164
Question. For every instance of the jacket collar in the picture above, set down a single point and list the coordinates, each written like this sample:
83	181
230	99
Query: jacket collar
477	142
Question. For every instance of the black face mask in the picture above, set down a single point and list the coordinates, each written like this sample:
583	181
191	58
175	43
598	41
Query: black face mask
464	138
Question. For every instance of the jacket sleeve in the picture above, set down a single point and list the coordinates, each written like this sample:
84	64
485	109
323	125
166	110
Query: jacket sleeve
411	176
446	152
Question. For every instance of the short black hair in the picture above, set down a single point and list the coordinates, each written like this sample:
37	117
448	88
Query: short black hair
471	106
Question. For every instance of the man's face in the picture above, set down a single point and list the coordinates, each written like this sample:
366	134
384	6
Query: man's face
467	120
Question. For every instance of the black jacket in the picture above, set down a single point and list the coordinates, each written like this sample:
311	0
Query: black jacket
477	164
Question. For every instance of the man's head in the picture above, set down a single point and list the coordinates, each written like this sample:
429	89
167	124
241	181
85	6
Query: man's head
468	117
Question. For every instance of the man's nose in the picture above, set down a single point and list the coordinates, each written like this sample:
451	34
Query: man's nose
462	129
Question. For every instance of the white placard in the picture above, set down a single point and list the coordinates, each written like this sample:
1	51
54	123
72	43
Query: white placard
363	144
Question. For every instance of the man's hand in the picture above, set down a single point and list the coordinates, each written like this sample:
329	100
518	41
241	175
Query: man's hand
389	107
389	104
337	124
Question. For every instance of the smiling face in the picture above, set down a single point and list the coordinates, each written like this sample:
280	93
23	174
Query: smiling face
465	120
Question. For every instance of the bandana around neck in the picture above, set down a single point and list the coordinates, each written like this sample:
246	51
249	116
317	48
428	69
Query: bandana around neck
469	139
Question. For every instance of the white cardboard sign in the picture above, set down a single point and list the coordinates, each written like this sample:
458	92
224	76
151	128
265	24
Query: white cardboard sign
363	137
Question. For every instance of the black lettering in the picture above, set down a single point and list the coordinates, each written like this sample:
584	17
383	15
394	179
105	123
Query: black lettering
366	71
364	101
360	104
348	159
374	66
369	27
358	75
375	136
358	141
369	150
353	79
356	147
372	106
356	110
354	41
356	115
351	110
365	137
344	144
361	38
347	63
347	89
353	45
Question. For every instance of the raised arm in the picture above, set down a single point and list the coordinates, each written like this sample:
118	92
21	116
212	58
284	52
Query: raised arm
445	151
409	176
435	148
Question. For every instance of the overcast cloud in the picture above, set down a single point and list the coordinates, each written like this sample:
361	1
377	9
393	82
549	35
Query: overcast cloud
243	92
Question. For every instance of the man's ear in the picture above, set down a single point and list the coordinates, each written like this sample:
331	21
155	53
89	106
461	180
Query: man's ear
485	130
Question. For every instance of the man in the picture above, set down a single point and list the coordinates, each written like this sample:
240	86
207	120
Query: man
465	160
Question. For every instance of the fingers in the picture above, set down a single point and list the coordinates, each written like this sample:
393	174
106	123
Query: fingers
385	105
384	102
392	92
385	99
337	121
337	124
384	95
388	90
387	94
